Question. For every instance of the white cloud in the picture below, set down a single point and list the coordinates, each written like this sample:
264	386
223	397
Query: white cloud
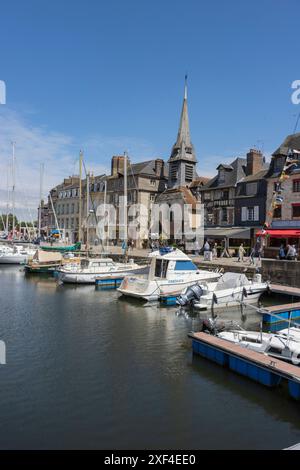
59	154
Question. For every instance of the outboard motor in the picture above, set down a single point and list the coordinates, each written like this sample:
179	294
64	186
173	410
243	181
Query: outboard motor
192	293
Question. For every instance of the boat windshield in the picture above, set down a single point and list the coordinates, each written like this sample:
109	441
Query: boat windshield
161	267
84	263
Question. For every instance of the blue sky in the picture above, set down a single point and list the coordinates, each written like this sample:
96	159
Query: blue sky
107	76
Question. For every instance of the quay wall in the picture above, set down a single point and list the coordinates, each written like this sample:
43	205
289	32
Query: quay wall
217	264
283	272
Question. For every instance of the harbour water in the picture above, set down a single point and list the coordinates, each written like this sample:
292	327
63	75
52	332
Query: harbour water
87	370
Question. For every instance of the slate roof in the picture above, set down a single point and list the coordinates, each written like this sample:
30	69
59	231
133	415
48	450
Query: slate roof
235	172
143	168
292	141
257	176
199	181
182	192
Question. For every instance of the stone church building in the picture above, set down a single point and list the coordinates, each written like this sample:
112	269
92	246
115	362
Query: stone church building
181	175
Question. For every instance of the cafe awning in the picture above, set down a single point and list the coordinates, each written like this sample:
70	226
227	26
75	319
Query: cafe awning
228	232
279	233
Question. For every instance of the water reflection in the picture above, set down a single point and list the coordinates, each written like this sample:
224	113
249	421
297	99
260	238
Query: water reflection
90	369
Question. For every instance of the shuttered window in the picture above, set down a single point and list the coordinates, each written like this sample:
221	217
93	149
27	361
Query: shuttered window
189	171
250	213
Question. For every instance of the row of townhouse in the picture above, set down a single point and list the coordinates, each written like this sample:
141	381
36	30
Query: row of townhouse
144	181
239	200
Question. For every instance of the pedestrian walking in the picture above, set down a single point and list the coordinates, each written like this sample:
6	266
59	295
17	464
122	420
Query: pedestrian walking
281	252
206	246
197	248
215	251
241	253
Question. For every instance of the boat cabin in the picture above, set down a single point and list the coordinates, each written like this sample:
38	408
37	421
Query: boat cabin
96	263
168	263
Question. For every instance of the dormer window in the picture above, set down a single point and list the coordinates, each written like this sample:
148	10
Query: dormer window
221	176
251	189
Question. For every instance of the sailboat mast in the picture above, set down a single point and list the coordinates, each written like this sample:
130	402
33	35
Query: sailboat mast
125	198
41	195
54	213
13	189
87	209
80	196
7	204
105	198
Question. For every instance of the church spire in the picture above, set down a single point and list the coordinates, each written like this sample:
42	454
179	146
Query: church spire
183	136
183	148
182	162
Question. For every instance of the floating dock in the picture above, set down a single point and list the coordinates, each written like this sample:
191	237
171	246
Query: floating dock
256	366
109	282
286	290
278	317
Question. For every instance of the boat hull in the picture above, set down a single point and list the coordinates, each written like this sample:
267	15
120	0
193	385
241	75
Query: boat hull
18	259
40	269
153	290
90	278
232	299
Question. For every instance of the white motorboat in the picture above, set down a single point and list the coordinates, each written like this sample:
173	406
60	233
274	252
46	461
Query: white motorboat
16	255
91	269
230	290
171	271
5	249
284	345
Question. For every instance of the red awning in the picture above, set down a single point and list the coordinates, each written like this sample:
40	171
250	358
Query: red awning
279	233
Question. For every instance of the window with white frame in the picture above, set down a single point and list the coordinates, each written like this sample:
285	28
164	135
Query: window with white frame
250	214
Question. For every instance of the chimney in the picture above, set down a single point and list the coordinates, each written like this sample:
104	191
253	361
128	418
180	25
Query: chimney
255	161
159	167
117	165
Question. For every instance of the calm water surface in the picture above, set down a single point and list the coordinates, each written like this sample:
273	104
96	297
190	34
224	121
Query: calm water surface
87	370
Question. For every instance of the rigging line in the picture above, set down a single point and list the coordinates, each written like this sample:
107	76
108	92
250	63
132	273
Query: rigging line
297	121
25	195
2	221
135	185
90	195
